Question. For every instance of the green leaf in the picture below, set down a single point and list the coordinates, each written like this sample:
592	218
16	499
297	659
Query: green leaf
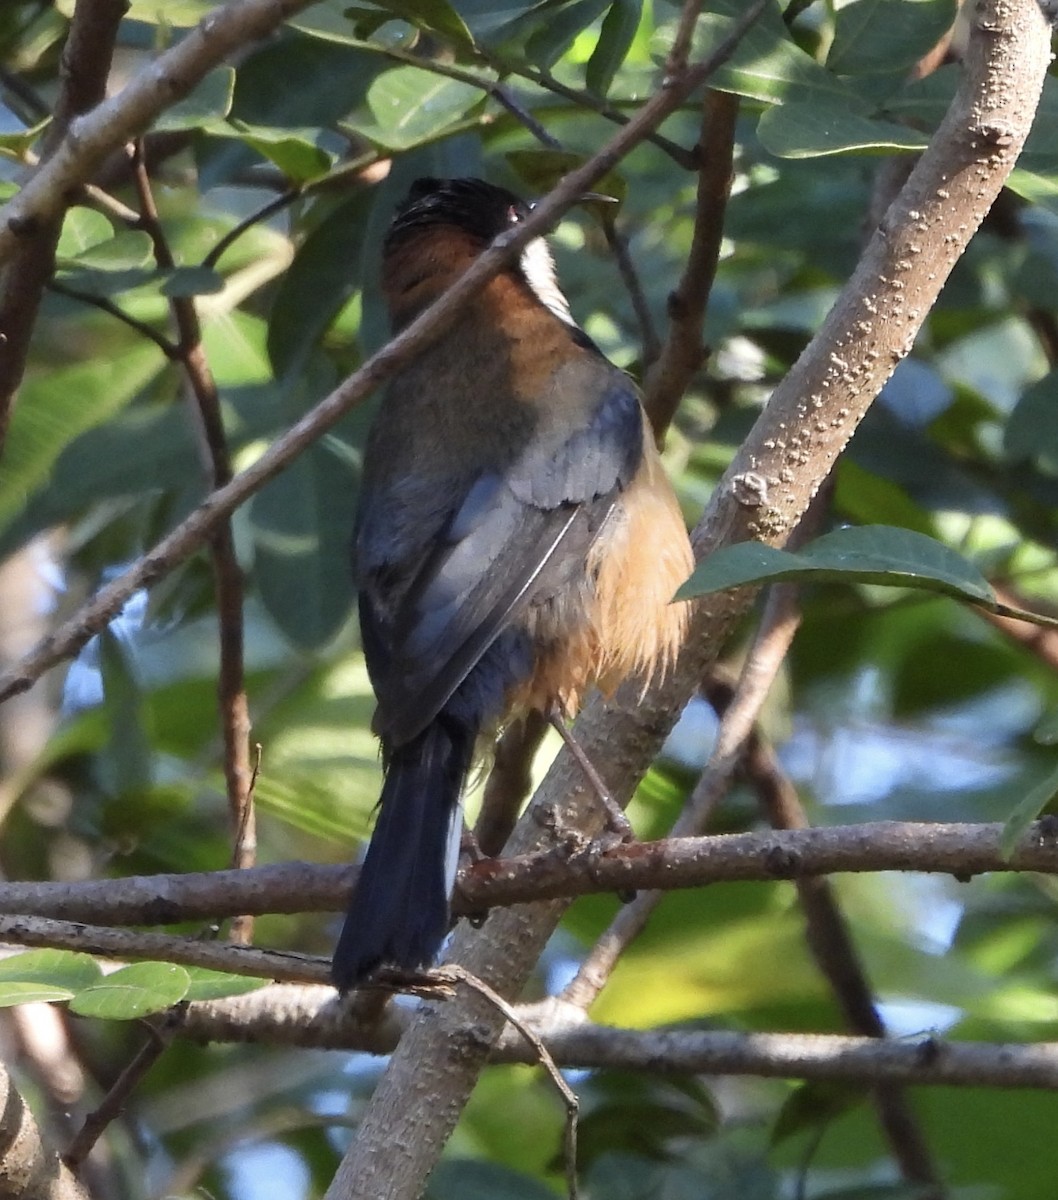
175	14
1034	187
436	15
1032	428
767	64
618	32
82	229
814	1105
472	1179
62	969
1046	731
886	36
190	281
541	169
813	130
177	281
205	984
133	992
129	249
56	406
877	554
303	801
32	993
410	106
129	751
211	98
628	1177
554	29
293	151
1026	811
16	144
324	275
301	539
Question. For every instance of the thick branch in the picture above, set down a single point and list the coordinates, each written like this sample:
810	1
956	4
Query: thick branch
308	1016
958	850
28	1170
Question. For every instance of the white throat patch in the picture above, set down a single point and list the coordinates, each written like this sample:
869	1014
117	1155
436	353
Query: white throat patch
538	267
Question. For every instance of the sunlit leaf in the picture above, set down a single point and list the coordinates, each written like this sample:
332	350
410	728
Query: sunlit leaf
887	36
877	554
810	130
410	105
57	406
615	40
302	537
205	984
62	969
133	992
211	98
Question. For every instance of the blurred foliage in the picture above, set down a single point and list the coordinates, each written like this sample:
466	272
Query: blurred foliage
893	704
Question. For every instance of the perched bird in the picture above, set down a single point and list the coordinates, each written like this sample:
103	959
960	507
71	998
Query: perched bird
516	542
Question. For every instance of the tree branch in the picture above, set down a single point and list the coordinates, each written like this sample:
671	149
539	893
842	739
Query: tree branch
309	1017
961	851
683	353
28	1170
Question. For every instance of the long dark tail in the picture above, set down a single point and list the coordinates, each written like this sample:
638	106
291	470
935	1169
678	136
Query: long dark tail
398	914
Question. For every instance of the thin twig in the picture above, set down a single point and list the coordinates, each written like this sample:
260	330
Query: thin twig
676	63
105	304
543	1057
959	850
113	1103
503	96
275	205
684	352
134	945
603	108
227	575
648	334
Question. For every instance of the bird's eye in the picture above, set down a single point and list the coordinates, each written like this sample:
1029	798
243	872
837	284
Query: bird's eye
513	215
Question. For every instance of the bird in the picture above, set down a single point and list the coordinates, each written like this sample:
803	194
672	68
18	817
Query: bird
516	543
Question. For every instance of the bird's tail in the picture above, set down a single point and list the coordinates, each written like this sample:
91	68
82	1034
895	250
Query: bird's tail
398	914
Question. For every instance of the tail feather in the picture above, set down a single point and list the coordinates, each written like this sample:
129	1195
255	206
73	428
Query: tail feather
398	914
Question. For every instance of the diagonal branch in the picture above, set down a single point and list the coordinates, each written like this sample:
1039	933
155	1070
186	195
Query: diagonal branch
187	537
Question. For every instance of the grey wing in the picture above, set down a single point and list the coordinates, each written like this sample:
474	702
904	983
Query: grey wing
515	536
